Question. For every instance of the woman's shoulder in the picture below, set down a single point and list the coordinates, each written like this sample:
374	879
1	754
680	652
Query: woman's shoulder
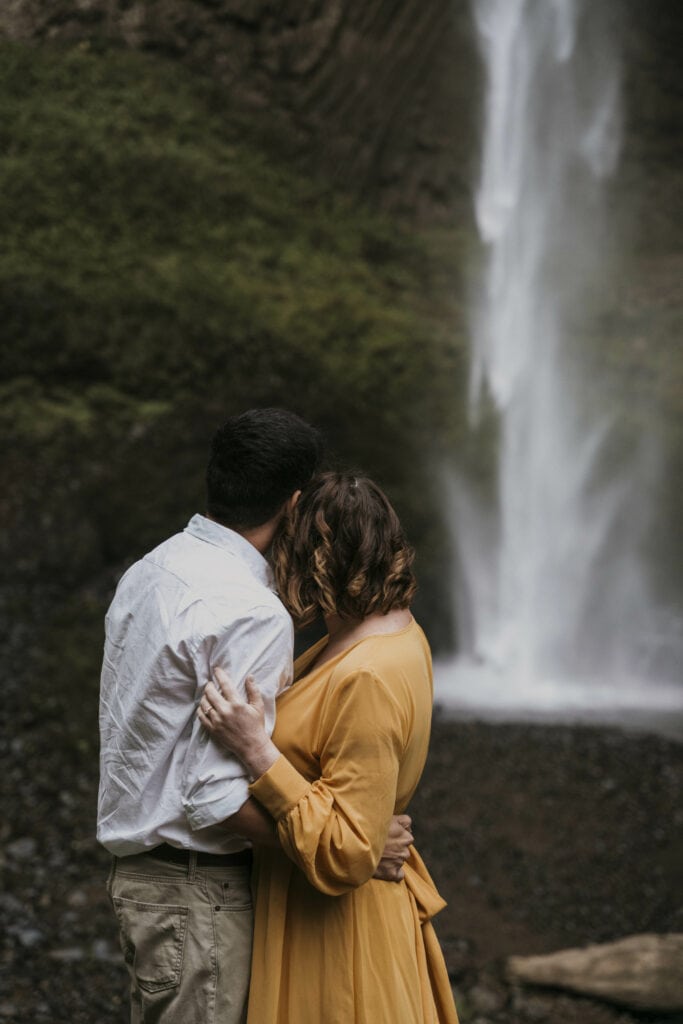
390	657
387	680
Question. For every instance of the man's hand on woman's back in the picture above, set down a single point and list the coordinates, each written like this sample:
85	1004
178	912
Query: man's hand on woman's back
396	850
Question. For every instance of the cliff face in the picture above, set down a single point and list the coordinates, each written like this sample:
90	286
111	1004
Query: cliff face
376	93
380	96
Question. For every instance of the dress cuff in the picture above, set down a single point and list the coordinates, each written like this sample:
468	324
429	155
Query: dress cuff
280	788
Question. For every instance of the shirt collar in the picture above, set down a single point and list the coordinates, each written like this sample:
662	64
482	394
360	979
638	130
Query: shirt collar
221	536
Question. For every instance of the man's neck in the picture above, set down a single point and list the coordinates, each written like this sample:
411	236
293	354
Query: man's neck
260	537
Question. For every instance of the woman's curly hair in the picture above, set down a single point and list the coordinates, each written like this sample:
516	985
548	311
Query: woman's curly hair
342	550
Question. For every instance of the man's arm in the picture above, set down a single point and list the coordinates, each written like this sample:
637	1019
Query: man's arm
215	783
254	823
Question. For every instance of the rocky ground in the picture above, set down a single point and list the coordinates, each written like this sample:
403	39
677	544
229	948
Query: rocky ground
539	837
543	838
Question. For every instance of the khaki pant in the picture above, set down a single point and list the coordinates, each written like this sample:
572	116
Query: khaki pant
186	937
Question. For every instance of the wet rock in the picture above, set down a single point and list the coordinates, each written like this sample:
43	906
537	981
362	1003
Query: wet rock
28	937
530	1008
77	898
485	998
68	954
641	971
556	1008
459	955
22	849
11	905
103	950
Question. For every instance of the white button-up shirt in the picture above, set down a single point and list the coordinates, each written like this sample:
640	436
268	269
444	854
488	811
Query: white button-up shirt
203	598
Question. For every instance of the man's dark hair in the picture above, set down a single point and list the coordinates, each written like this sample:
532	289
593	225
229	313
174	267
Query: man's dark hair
257	460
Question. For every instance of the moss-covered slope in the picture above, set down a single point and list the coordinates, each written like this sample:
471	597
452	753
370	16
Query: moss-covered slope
159	270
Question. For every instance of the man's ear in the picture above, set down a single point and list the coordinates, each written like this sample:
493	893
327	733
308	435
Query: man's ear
291	502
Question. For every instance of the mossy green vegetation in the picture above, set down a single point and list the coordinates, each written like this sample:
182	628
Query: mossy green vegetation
161	268
149	247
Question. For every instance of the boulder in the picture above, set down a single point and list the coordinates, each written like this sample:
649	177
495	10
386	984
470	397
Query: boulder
644	972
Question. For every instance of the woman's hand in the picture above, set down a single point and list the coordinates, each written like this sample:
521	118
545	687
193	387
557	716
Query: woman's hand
237	724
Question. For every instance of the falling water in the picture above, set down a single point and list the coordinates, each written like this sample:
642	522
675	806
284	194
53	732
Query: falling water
554	611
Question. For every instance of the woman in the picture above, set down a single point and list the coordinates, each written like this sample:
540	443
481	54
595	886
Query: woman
331	944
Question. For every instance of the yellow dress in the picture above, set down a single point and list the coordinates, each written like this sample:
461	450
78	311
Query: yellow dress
331	944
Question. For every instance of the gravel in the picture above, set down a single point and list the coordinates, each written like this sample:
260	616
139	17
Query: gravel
539	837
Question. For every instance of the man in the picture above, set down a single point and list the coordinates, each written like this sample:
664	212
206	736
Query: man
173	808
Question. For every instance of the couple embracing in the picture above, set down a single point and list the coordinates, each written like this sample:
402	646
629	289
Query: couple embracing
263	868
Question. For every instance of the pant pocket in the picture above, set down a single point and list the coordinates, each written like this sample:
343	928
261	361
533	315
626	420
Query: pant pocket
236	895
153	941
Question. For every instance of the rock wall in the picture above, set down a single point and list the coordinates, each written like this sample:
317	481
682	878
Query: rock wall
378	93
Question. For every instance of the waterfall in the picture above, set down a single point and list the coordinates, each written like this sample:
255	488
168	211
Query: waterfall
553	604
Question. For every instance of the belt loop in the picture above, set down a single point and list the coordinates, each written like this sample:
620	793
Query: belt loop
192	866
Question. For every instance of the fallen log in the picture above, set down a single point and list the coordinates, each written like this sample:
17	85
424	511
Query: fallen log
644	972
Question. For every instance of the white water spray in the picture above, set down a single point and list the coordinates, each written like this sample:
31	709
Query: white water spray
554	611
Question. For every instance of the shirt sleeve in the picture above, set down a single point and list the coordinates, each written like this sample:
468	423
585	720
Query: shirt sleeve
335	828
214	783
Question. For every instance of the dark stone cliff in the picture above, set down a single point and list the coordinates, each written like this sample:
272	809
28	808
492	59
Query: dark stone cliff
376	93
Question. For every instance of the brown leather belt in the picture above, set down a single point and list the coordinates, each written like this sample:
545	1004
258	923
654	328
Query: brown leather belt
207	860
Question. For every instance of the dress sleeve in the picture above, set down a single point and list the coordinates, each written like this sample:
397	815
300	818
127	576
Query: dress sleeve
335	828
